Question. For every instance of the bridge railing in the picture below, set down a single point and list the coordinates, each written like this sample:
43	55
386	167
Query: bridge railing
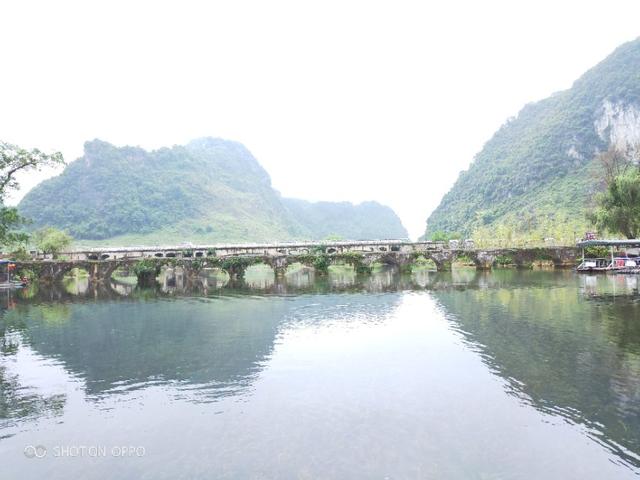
103	253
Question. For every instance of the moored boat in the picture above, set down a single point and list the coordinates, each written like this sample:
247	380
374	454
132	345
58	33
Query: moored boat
8	279
624	256
608	264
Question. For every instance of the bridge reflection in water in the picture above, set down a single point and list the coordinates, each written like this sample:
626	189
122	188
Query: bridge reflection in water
565	345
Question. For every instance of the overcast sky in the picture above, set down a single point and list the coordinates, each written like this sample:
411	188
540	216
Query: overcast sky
342	100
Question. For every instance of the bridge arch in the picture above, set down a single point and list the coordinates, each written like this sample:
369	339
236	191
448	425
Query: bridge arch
235	260
443	259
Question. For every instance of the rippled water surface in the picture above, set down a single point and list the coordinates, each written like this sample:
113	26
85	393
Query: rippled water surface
514	375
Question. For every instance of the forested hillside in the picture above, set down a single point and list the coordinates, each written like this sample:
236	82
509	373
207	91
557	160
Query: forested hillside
325	219
209	190
536	177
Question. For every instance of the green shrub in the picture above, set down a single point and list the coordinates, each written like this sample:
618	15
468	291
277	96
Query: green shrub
597	252
321	263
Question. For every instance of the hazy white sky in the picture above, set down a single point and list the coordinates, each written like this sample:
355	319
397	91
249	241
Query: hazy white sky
340	100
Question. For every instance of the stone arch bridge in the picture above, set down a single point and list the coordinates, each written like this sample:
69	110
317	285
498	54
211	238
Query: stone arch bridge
100	263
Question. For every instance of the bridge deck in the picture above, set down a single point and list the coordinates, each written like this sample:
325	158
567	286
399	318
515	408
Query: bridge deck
255	246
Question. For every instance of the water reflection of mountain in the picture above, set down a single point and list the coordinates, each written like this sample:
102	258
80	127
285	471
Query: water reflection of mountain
19	401
215	345
561	352
567	344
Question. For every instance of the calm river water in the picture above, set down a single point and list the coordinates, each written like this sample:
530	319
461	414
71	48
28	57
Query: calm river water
503	375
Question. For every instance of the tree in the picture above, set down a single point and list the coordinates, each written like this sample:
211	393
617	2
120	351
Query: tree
51	240
9	220
614	162
618	207
442	236
333	237
14	159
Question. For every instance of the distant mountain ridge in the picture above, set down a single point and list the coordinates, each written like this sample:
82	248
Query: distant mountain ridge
538	173
209	190
368	220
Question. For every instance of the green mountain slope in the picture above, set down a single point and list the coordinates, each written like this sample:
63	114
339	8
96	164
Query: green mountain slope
210	190
538	173
366	220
